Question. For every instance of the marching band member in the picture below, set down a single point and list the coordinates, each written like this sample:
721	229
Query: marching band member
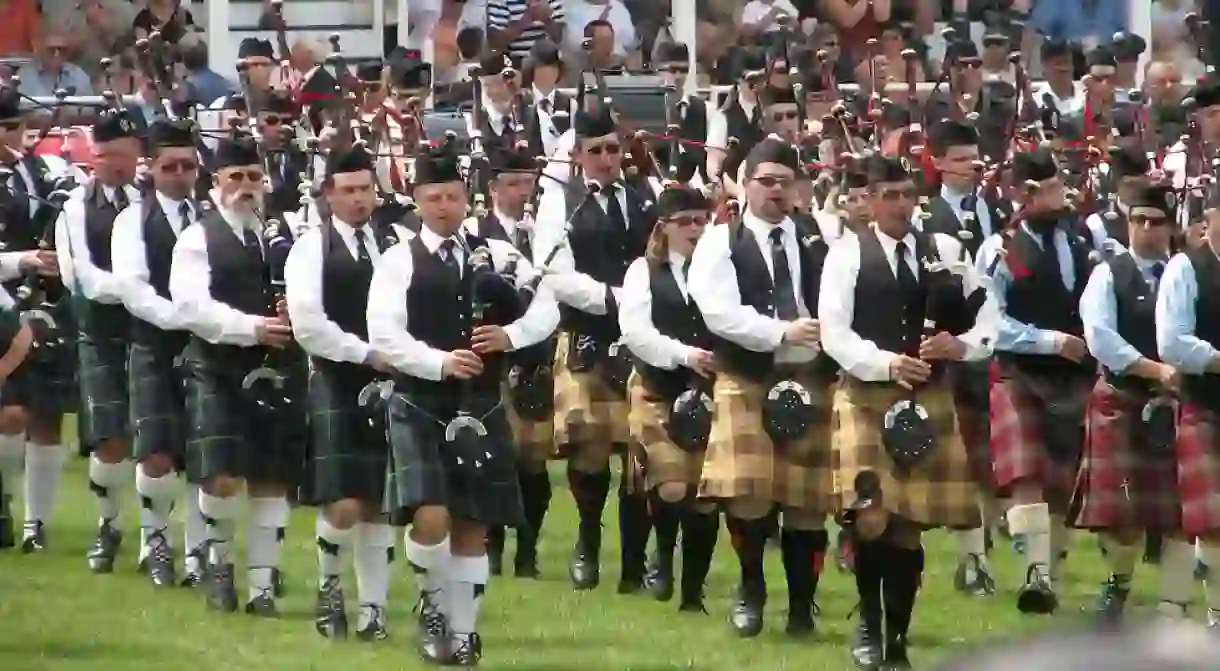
1037	405
511	187
286	165
444	322
83	235
955	154
587	234
1129	169
755	282
142	249
1128	479
35	397
498	125
221	289
544	116
880	291
1187	336
327	277
847	211
672	60
739	116
662	328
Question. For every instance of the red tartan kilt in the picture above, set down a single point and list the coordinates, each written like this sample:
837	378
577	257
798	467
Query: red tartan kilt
1198	470
1118	485
1017	449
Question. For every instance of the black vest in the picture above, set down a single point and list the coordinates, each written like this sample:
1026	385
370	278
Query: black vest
943	220
1204	389
103	320
692	126
527	111
741	127
1036	298
439	310
757	291
285	193
1136	306
159	240
489	227
676	317
239	278
21	231
603	250
345	281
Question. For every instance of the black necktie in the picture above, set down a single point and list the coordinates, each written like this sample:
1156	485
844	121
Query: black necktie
362	250
120	199
251	241
1050	255
785	295
686	269
755	116
614	209
902	271
449	258
184	211
522	242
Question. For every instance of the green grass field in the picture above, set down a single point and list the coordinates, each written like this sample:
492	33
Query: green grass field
55	615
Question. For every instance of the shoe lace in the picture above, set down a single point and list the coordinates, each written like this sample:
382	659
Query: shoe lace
432	618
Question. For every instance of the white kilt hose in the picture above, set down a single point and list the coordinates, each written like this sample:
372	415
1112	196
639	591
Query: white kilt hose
156	388
348	451
1121	485
589	414
102	351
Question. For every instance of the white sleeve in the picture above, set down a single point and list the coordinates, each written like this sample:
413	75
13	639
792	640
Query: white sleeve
387	318
635	322
311	327
712	282
190	279
541	318
95	284
861	358
571	287
130	265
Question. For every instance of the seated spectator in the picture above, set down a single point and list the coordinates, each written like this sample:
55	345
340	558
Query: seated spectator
1092	22
604	54
167	17
580	13
98	28
50	70
514	26
766	16
859	20
18	27
201	84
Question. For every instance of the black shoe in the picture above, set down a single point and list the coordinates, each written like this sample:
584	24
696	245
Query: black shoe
467	652
1037	597
161	562
746	617
192	579
584	569
896	655
278	586
1202	570
222	594
263	605
660	580
801	621
33	538
104	549
982	584
866	649
631	585
526	566
433	632
692	606
330	612
1111	601
375	629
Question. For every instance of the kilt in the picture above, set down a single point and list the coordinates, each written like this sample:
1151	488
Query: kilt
940	492
535	441
155	386
348	454
1119	486
1018	450
1199	469
588	413
971	381
743	462
102	352
46	386
228	434
475	481
665	461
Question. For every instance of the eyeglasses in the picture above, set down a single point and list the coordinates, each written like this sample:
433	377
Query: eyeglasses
273	120
177	167
785	116
1145	220
970	64
677	69
683	222
611	148
893	195
245	175
769	181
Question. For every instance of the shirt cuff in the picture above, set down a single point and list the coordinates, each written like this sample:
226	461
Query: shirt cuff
880	365
1046	342
432	365
516	336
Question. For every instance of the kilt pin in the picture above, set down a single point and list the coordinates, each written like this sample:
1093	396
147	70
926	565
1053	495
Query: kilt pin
663	460
1120	485
156	389
940	492
348	450
1198	469
743	462
589	414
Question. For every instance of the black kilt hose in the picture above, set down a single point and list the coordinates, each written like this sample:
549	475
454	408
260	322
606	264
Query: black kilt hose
45	383
475	480
348	454
229	435
156	388
103	331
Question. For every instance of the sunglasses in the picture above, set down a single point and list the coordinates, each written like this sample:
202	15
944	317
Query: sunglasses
833	44
273	120
1145	220
683	222
245	175
970	64
894	195
610	148
784	116
677	69
769	181
178	167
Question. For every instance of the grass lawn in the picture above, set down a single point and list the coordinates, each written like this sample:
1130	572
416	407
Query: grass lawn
55	615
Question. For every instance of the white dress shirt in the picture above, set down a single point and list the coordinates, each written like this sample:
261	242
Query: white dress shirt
863	359
76	265
579	13
718	124
56	169
639	334
314	330
507	224
190	281
955	201
130	262
546	123
713	284
571	287
387	309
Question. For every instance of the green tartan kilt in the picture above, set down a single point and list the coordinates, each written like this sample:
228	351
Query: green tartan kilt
102	348
155	386
228	434
45	383
348	451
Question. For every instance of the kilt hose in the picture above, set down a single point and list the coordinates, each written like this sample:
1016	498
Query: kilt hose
971	381
348	453
940	492
1198	448
589	415
664	461
228	434
1018	450
102	350
743	462
155	385
474	479
535	441
45	384
1120	485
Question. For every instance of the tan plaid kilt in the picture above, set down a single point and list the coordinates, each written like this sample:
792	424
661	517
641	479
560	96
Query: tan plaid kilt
742	461
588	413
535	441
665	461
940	492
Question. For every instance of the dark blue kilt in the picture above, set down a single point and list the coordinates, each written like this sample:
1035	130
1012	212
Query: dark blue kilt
155	386
475	480
229	434
45	384
102	351
348	453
